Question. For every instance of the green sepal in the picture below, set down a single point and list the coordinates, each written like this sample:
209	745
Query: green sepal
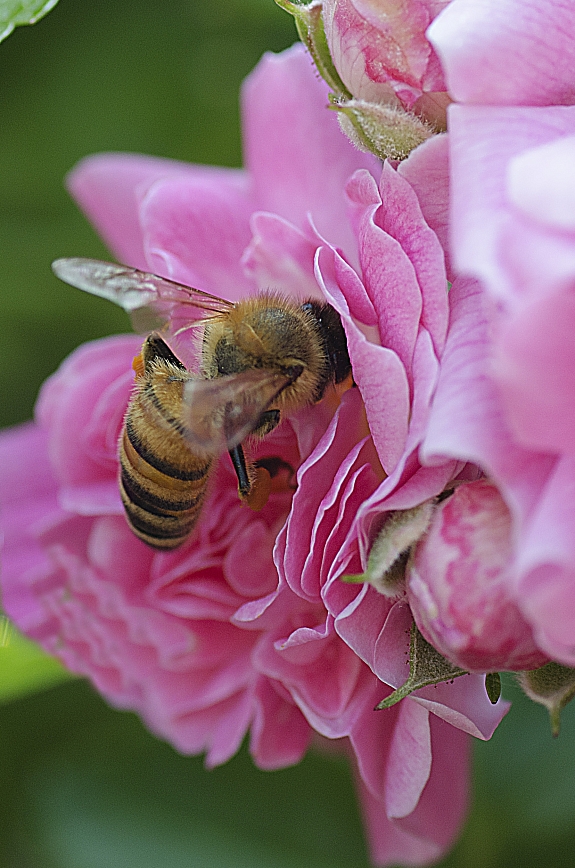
386	131
13	13
309	23
426	666
551	685
493	686
391	549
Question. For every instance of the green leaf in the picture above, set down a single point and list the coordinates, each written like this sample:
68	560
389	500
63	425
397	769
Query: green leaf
24	668
426	666
16	12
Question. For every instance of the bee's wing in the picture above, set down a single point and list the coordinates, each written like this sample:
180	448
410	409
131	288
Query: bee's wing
151	301
218	414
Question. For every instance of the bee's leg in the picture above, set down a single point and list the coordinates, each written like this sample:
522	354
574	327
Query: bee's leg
255	484
239	462
267	422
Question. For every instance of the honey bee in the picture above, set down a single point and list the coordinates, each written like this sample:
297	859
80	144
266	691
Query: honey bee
260	358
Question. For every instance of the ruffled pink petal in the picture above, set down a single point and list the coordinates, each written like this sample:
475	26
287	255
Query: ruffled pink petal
298	158
546	554
389	845
466	418
218	729
69	399
378	372
341	554
427	170
280	257
229	731
196	228
443	805
25	473
280	734
534	367
248	563
520	52
401	217
95	498
28	497
325	678
359	623
409	764
494	236
302	540
424	834
372	736
110	188
390	280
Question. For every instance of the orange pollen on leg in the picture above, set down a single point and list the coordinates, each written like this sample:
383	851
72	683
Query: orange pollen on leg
260	490
138	365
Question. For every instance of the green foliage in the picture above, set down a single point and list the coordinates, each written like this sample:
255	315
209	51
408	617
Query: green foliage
24	668
90	788
390	551
13	13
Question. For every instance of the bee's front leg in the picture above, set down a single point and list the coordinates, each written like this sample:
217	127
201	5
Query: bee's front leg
254	483
239	462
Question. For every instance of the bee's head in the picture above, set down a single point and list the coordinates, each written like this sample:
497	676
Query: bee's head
268	332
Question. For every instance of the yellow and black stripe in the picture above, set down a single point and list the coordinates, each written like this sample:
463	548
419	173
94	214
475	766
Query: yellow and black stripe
162	483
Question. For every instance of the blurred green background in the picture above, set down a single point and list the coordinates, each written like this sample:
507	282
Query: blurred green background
81	785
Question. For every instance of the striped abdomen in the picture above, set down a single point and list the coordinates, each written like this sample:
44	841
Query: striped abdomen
162	483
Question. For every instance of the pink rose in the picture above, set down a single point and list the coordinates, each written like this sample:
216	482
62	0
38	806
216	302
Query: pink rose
512	164
247	626
382	55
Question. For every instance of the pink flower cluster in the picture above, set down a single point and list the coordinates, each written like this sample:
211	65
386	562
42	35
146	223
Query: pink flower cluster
512	230
248	627
493	583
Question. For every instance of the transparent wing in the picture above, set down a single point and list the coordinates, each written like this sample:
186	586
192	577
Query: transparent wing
218	414
152	302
